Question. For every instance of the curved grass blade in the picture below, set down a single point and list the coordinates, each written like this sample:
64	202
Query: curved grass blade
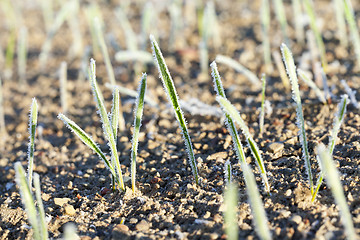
85	138
31	146
257	207
312	85
230	213
108	131
139	106
171	93
339	117
234	114
43	225
291	71
228	172
114	119
333	180
262	110
27	199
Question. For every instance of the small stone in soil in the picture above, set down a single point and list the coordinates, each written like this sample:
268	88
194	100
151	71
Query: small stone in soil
69	210
275	147
61	201
143	225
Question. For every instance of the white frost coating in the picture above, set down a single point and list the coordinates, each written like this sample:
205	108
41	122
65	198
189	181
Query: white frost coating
351	93
86	139
228	172
339	117
31	146
291	71
108	131
173	98
333	180
257	207
312	85
238	67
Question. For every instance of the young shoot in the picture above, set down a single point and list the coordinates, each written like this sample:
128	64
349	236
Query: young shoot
350	93
282	72
231	209
257	207
333	180
38	223
239	68
31	146
340	22
173	97
139	106
339	117
291	71
262	109
229	109
299	28
281	16
312	85
308	5
228	172
350	17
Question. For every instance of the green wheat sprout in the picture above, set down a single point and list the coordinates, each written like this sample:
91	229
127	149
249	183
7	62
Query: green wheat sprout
230	213
36	216
281	16
234	114
172	95
308	5
333	180
114	121
229	122
291	71
108	128
139	107
228	172
262	109
31	146
312	85
282	72
350	17
338	120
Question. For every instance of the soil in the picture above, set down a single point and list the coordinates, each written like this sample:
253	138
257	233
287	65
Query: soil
167	203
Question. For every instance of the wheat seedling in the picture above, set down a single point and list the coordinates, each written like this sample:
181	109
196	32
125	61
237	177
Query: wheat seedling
48	13
350	93
228	122
172	95
312	85
63	86
139	106
265	24
130	36
239	68
281	16
262	109
282	72
340	22
333	180
228	173
350	17
291	70
234	114
319	41
148	21
339	117
38	223
299	28
31	146
77	47
22	54
231	209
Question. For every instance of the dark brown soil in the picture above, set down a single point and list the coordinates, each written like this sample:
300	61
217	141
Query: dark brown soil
168	204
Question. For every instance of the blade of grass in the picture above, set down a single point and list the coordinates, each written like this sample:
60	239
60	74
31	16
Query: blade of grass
85	138
27	199
234	114
339	117
43	225
31	146
312	85
333	180
114	119
238	67
139	106
172	95
228	173
350	17
299	28
265	24
230	213
340	22
108	131
262	110
282	72
281	16
291	71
